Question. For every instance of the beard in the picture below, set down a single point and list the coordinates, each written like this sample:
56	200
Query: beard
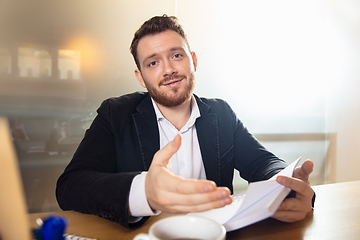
176	96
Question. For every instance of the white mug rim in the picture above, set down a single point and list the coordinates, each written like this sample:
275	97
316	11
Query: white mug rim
220	236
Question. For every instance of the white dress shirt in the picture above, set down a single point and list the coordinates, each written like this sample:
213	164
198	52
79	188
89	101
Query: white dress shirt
186	162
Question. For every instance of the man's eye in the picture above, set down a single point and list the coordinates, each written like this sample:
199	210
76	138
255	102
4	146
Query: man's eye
153	63
177	55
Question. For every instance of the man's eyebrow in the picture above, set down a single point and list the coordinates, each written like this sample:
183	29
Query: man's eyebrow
176	49
149	57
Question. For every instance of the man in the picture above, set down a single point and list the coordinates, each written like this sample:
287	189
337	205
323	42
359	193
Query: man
168	150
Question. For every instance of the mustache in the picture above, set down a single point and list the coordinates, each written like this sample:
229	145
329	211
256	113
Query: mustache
171	78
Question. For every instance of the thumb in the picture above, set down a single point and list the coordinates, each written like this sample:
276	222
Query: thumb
307	167
163	156
304	171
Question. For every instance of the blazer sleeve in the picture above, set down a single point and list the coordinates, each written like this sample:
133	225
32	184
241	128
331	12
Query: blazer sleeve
91	183
252	159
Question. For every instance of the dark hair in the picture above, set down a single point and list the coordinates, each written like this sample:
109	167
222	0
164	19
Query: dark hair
155	25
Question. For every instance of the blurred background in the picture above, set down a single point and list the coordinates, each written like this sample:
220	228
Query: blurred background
289	69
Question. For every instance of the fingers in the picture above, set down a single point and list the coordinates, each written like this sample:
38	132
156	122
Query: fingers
292	210
174	194
189	186
299	186
199	207
172	183
177	202
295	205
295	209
289	216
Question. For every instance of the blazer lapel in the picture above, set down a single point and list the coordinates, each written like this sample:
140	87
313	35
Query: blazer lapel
208	136
147	130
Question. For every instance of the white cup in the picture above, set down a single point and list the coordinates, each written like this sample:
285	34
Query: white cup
184	227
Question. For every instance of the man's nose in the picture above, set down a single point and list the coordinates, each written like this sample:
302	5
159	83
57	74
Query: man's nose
169	68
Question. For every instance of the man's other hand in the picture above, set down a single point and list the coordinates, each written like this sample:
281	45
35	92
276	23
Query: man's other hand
295	209
170	193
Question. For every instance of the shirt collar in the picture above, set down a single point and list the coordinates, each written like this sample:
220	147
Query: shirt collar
195	112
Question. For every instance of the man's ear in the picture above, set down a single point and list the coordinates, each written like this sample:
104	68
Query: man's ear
139	77
194	58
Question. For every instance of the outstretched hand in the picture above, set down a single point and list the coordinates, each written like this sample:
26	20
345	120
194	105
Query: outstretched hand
170	193
295	209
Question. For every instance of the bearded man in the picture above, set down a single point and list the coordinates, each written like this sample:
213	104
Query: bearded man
167	149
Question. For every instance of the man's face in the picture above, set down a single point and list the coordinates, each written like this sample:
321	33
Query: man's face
167	68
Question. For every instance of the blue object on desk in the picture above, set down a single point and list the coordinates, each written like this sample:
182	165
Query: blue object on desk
53	228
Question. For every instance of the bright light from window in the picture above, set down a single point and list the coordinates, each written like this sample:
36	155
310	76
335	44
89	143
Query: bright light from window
278	60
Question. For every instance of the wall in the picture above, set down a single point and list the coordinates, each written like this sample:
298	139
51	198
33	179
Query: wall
343	113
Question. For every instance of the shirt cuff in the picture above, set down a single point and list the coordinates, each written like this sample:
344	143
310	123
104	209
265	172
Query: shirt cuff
138	204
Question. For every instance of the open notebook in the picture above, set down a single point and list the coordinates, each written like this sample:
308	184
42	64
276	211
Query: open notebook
259	201
13	218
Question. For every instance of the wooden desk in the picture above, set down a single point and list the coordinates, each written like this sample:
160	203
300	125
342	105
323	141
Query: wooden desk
336	216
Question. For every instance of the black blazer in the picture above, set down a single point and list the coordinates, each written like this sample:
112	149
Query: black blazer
123	139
